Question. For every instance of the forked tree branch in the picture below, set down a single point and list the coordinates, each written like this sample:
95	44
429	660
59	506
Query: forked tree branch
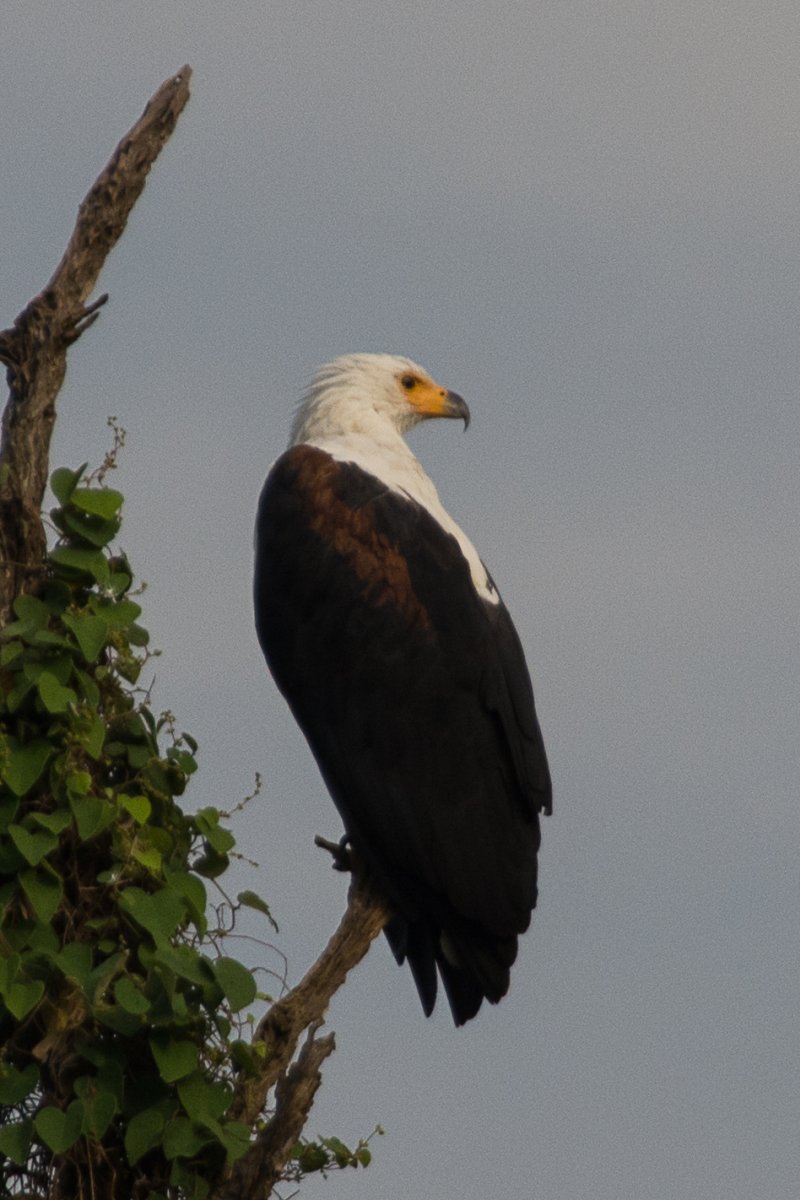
301	1011
35	348
34	351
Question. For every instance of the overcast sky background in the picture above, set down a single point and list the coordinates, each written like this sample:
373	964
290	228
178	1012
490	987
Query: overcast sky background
585	218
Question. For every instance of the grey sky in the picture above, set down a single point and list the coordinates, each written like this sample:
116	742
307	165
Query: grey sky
584	218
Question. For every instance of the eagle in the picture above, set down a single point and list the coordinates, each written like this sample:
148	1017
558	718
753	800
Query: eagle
388	638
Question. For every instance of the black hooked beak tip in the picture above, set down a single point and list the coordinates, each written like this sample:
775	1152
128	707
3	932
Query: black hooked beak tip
457	407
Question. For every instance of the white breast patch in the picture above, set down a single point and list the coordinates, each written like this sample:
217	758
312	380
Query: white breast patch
401	472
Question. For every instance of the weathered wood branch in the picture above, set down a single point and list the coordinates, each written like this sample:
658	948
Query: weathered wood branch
257	1173
300	1010
35	348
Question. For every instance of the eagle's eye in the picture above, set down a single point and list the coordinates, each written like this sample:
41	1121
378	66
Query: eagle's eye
408	382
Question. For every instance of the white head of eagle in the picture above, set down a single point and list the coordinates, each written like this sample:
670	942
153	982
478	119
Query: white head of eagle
387	637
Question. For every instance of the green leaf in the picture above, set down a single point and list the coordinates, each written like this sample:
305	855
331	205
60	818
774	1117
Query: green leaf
156	781
191	887
16	1085
218	838
46	637
139	807
43	889
203	1099
253	900
120	579
99	1105
85	561
233	1136
59	1130
10	652
21	998
15	697
113	1017
92	815
43	939
63	482
59	665
91	633
310	1157
137	756
15	1140
28	626
159	913
32	611
130	997
100	1108
236	1140
161	839
92	734
183	1139
25	764
187	1182
88	687
88	528
118	614
246	1057
339	1150
144	1132
182	759
101	502
78	783
180	1008
55	697
148	857
175	1057
56	822
206	819
98	980
32	846
236	982
210	864
186	963
75	962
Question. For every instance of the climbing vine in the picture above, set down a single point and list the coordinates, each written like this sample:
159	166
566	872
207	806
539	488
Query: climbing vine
120	1016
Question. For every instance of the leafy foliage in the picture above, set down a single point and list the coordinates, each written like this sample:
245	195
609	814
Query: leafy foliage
118	1014
329	1154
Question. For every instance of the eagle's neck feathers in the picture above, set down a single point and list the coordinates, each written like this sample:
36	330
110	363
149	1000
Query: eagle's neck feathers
339	418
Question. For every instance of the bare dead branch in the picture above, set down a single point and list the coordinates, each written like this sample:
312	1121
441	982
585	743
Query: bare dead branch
262	1167
281	1028
303	1008
34	349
